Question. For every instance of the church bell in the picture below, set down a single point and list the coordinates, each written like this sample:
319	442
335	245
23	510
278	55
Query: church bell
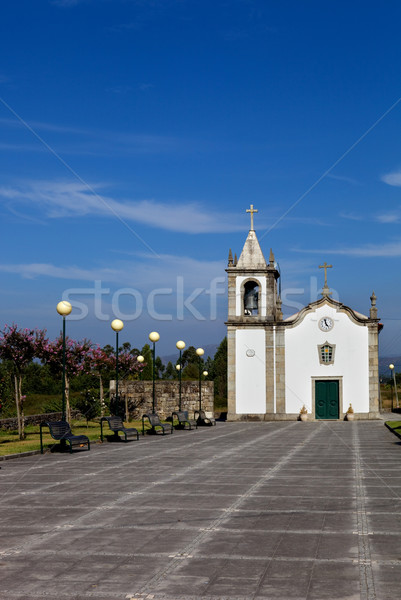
251	300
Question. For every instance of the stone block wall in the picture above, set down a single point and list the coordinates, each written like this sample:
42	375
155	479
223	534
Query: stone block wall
139	396
12	424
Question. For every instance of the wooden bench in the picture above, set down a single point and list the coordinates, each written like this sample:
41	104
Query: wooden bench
184	422
116	424
61	431
204	418
155	425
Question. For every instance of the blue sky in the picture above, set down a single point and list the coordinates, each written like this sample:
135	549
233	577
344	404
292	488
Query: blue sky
135	133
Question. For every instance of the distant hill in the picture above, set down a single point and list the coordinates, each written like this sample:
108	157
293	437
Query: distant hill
385	361
210	350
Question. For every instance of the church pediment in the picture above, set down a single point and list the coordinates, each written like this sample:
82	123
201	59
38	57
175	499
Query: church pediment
355	316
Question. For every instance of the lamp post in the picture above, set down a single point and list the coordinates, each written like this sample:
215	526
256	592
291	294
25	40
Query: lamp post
117	326
140	359
200	352
180	345
64	308
391	367
154	337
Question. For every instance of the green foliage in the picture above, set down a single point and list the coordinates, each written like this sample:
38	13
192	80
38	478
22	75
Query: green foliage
88	404
189	357
84	382
191	371
7	405
218	371
52	405
147	373
170	371
38	379
159	367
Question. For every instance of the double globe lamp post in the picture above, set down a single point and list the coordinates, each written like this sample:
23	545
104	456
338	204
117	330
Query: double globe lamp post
154	337
200	352
64	308
180	345
392	369
117	325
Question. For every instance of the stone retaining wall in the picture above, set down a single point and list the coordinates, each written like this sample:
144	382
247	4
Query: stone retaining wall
139	396
12	424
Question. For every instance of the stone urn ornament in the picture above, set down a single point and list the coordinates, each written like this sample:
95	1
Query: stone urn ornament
350	413
303	415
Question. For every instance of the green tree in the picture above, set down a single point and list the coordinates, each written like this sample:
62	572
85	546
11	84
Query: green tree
6	390
189	356
191	371
159	367
170	371
88	404
20	347
147	373
190	364
218	371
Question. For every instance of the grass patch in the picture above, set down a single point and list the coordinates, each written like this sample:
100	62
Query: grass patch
10	444
394	426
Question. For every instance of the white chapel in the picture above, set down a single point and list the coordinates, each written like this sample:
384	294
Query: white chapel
325	357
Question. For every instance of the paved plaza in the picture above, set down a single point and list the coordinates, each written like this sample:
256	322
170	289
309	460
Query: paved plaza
239	511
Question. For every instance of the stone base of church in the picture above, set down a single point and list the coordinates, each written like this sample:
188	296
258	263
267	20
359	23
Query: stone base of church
371	416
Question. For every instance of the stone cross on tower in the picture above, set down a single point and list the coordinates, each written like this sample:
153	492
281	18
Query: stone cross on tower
325	289
252	210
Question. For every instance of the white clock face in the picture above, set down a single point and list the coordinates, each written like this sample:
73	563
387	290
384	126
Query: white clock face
326	324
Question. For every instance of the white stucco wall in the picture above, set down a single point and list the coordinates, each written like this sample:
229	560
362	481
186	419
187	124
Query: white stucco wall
261	279
250	372
351	361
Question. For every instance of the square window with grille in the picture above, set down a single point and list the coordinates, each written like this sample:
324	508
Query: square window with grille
326	354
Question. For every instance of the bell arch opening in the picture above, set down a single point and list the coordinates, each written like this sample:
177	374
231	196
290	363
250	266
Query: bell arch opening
251	298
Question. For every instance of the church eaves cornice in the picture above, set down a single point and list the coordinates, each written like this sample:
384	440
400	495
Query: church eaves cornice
313	306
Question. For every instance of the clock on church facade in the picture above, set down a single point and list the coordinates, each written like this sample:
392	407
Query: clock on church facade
325	357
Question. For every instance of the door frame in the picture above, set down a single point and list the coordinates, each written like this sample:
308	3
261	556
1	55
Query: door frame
341	414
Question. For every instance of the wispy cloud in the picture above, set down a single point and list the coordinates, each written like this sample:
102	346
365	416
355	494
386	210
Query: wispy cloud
143	87
393	178
95	141
147	270
343	178
390	249
389	217
43	126
74	199
352	216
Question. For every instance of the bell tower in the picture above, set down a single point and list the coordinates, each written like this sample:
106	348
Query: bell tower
253	310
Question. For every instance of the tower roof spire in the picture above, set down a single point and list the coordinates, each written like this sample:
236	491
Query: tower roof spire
251	256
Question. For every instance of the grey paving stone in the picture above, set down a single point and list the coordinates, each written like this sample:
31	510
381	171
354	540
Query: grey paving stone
242	511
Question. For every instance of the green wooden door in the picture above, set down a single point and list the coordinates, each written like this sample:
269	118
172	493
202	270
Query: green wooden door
326	400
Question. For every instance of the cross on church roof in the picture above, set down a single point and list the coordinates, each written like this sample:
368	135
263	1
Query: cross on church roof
325	266
252	210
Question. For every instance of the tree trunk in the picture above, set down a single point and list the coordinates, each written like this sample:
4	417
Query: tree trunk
21	404
17	404
101	392
67	399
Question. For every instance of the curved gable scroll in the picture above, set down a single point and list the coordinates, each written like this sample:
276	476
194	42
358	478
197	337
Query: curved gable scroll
356	317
